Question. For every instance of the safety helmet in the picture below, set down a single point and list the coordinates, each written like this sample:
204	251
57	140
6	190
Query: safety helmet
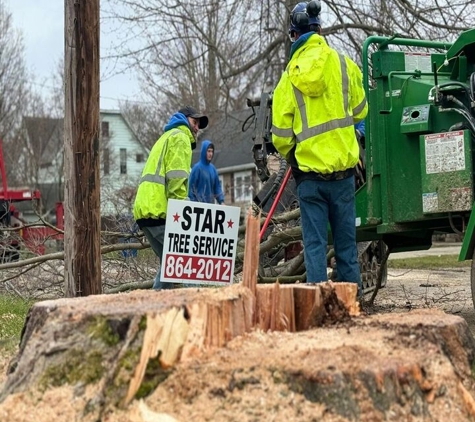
303	15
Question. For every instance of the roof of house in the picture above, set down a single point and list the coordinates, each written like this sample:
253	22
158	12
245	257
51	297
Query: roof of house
45	135
232	145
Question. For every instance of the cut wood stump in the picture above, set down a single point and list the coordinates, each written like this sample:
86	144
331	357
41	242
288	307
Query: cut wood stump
171	326
202	354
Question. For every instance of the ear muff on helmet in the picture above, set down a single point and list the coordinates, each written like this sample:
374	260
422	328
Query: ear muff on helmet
314	8
305	14
299	17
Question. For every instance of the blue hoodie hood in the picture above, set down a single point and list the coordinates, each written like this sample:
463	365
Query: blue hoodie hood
204	149
178	119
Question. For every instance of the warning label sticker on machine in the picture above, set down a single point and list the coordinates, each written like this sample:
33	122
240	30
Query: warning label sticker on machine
430	202
444	152
417	61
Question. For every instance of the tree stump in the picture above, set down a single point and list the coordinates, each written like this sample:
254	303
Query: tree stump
194	354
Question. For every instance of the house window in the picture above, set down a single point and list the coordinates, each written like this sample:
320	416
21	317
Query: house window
106	160
221	181
123	161
243	186
105	130
140	158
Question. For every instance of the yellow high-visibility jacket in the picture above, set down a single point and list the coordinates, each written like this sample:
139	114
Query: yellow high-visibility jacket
315	105
165	175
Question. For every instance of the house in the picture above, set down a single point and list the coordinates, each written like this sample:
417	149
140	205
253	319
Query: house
233	156
122	160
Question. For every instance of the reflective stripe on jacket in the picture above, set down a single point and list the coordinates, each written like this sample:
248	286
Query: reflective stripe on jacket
317	101
165	175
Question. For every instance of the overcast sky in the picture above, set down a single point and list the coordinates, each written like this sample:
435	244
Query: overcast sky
42	25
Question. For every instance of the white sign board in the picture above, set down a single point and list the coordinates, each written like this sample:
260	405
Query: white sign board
417	61
200	243
445	152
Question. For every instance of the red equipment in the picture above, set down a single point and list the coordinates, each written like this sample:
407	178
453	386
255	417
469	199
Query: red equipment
33	237
14	195
274	205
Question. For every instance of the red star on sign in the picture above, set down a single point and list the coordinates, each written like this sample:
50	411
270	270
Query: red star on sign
176	217
230	224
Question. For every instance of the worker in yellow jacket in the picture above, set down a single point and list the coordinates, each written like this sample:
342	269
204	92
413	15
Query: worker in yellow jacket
316	103
165	176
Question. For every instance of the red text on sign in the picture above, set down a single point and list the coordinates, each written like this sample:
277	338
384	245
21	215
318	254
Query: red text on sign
198	268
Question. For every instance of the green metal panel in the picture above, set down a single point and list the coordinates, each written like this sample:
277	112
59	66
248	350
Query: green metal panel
416	119
415	98
402	169
386	62
468	245
460	70
446	162
464	43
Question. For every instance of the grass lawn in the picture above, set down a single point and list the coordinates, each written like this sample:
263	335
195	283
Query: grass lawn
429	262
13	311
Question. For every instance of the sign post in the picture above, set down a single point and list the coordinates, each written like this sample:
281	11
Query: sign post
200	243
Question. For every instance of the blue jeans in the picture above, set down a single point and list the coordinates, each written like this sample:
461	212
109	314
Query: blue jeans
155	236
323	202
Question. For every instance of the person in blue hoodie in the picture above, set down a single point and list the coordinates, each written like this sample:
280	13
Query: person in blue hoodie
360	168
165	176
360	127
204	183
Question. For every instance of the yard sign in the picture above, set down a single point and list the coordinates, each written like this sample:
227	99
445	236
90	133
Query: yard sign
200	243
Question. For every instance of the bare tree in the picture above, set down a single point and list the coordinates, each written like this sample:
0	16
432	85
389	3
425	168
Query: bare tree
13	73
212	54
15	91
216	53
147	121
348	24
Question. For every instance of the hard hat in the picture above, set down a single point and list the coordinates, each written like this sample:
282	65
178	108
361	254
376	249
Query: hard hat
303	15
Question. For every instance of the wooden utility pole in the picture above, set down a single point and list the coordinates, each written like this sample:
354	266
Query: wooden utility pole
82	271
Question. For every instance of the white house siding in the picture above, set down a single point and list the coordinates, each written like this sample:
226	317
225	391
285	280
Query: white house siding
116	188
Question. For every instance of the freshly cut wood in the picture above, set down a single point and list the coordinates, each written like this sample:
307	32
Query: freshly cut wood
251	252
165	334
285	320
65	339
298	307
348	293
78	340
413	366
408	366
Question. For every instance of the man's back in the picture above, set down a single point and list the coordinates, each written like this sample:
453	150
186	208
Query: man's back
318	98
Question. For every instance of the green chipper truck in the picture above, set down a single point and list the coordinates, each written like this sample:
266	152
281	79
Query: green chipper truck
418	153
420	133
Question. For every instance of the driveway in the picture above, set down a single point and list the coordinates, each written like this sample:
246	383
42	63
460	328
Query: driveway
447	289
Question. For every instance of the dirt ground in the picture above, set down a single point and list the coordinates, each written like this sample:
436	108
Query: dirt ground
445	289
